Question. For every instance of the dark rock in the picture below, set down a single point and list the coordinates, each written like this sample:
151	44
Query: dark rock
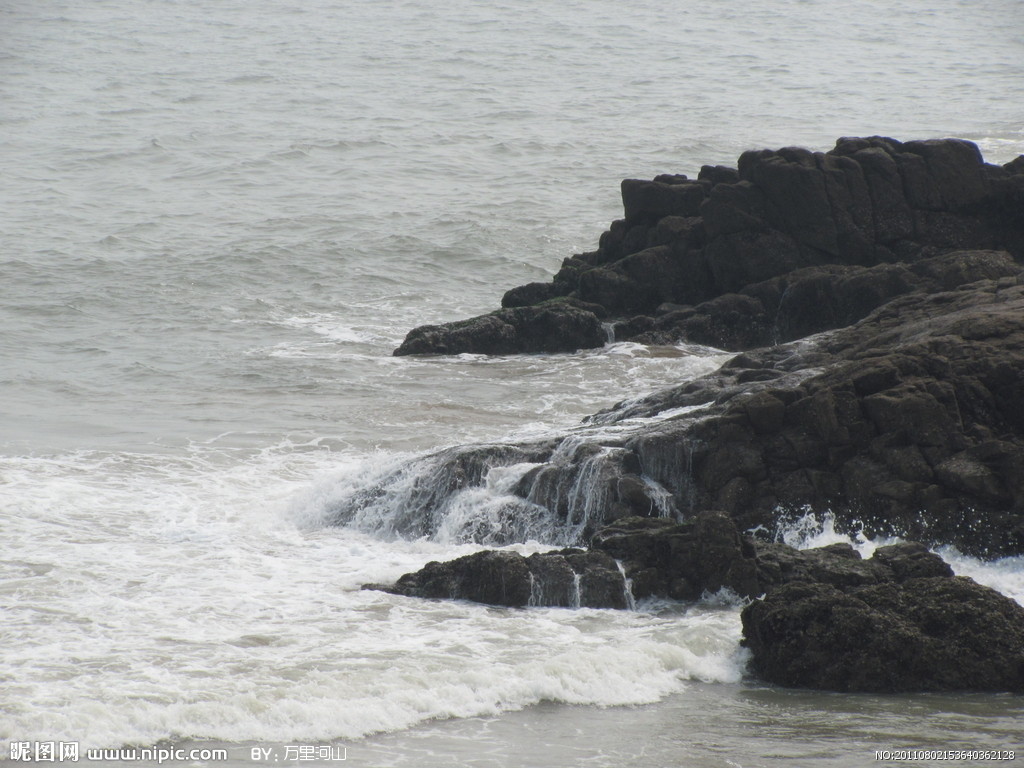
962	268
839	565
731	208
903	418
683	561
818	299
911	560
739	259
614	290
718	174
570	578
554	582
766	412
729	321
892	218
550	327
891	431
682	232
529	294
648	201
754	229
601	583
935	633
495	577
954	169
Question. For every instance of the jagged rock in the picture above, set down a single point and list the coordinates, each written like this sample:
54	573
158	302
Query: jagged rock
931	633
838	564
911	560
495	577
718	174
663	558
907	421
906	417
961	268
874	204
874	438
903	418
530	294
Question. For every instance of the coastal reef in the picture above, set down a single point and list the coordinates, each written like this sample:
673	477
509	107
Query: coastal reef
874	297
898	621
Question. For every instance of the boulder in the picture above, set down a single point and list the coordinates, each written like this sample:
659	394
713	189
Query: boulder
549	327
570	578
921	633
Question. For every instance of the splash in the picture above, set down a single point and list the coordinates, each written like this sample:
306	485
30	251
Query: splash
1005	575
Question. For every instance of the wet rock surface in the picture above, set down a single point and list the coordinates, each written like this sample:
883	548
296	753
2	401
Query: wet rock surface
877	290
570	578
552	327
820	618
875	295
637	557
917	634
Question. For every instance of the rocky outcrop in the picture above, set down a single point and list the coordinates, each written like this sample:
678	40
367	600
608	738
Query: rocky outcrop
556	326
877	295
789	243
570	578
904	419
908	423
827	619
637	558
913	634
633	559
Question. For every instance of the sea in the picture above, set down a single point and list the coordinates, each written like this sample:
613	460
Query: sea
218	219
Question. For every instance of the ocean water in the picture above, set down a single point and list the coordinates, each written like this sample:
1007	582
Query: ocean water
216	222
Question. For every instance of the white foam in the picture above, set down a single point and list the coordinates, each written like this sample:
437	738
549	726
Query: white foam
1005	575
152	595
810	531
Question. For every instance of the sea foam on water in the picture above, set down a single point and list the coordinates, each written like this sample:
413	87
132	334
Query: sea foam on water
219	219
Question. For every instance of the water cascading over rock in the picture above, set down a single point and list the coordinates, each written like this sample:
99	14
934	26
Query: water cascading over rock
876	293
